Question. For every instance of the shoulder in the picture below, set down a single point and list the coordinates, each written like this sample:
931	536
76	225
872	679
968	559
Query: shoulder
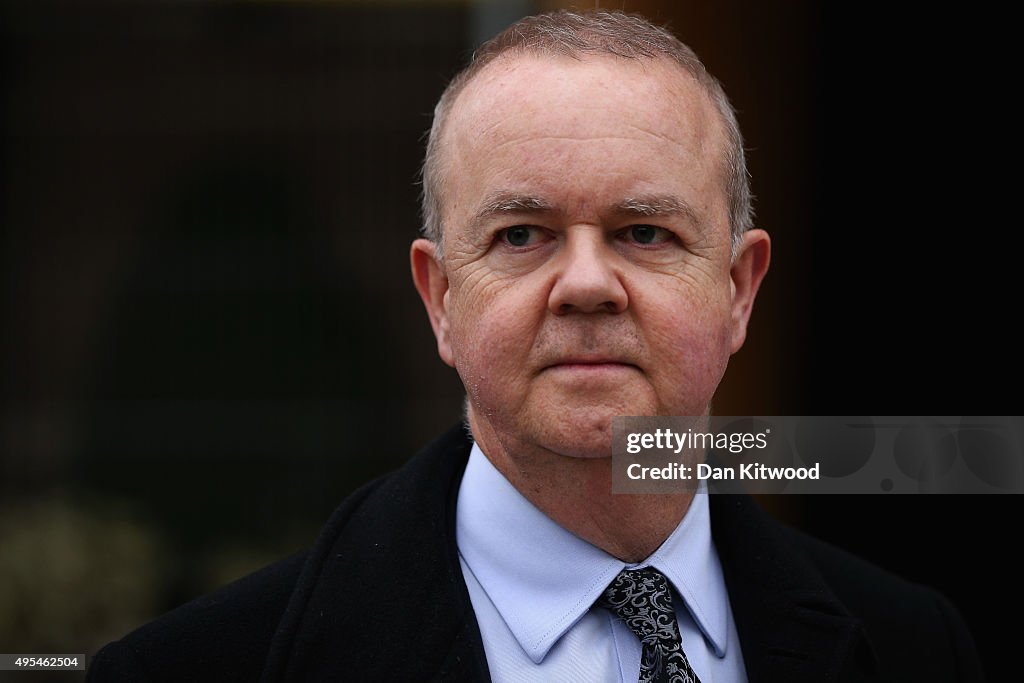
248	628
221	636
791	592
225	635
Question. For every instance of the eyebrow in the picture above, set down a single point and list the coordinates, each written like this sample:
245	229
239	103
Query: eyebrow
510	202
646	206
657	206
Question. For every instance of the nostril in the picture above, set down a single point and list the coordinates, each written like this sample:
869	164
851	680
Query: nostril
604	307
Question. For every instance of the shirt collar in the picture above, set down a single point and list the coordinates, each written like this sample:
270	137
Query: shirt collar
542	579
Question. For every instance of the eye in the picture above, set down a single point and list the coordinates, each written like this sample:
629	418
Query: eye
519	236
648	234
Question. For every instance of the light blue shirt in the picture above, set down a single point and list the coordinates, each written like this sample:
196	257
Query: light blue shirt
532	585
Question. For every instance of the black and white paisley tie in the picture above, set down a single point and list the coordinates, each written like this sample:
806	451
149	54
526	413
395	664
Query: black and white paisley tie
642	599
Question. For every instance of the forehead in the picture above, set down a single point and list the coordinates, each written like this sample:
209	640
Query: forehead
527	118
530	86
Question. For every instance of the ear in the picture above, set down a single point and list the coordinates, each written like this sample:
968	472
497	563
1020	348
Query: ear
747	271
432	284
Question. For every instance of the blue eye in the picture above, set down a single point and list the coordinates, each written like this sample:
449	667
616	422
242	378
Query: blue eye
649	234
518	236
644	234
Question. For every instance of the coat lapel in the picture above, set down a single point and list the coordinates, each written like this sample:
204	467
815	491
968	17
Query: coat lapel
386	568
791	626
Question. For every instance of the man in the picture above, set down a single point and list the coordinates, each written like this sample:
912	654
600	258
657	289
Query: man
588	253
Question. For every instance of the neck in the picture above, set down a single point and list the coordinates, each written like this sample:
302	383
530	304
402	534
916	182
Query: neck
577	494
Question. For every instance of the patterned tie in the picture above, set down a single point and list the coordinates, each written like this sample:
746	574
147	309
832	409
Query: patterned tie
642	599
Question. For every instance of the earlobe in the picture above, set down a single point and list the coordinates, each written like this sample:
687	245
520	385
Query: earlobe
432	284
747	272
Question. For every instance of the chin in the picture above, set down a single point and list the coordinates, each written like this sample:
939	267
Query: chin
584	449
586	435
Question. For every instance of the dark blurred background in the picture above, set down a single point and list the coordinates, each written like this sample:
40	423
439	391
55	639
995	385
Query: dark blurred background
209	334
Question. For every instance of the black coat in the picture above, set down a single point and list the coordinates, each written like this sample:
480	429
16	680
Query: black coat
380	597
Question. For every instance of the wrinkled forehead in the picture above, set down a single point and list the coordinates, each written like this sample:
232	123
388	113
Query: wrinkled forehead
558	96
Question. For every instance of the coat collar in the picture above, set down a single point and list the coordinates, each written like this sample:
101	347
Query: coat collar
791	626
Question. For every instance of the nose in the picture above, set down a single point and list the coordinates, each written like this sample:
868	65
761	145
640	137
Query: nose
586	281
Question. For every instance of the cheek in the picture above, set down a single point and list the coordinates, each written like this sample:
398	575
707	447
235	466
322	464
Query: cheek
690	351
491	338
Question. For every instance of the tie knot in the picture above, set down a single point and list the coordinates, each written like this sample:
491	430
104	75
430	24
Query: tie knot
642	599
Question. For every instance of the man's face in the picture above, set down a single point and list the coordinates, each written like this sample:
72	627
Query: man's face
586	267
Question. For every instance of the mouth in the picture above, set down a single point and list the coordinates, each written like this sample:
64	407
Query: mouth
591	364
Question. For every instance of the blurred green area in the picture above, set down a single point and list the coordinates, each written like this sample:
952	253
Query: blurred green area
74	575
78	573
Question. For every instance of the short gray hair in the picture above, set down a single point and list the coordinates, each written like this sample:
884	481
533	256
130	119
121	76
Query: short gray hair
574	34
